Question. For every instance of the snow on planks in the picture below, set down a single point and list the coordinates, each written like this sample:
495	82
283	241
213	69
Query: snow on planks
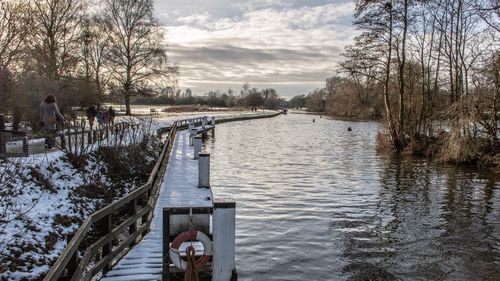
179	189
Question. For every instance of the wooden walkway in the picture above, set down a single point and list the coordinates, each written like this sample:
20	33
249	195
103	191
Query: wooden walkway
179	189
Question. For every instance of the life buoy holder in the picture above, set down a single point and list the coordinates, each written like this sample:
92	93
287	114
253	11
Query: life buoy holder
189	236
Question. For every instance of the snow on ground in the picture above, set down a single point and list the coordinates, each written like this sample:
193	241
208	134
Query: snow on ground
33	192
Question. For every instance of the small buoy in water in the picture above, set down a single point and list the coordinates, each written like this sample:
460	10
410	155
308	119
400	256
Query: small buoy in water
314	120
349	129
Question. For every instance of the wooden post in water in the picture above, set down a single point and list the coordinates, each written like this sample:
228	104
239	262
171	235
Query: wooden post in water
197	147
204	170
224	221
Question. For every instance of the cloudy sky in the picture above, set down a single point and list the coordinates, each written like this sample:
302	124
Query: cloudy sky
289	45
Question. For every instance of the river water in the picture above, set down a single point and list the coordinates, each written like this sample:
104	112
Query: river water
316	202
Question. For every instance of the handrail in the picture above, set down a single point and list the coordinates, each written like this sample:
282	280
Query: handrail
69	261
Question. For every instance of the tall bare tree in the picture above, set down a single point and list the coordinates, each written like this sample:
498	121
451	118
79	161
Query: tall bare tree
138	56
56	36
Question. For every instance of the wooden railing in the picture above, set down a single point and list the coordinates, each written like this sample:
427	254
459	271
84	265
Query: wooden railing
105	225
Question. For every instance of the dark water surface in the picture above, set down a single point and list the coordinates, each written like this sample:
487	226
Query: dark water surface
316	202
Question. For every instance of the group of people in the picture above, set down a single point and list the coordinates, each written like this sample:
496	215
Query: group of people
103	116
51	118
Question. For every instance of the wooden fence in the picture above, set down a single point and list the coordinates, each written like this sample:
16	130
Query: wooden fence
106	226
78	140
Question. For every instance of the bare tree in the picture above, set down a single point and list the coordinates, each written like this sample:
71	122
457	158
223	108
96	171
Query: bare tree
95	56
138	56
56	36
13	31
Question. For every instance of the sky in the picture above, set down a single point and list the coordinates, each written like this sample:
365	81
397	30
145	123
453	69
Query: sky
289	45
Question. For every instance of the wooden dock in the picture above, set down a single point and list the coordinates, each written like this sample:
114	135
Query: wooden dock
179	189
176	200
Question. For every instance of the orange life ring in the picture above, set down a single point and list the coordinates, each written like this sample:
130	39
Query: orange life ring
190	236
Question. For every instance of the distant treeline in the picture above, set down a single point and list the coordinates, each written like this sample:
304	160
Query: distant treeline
247	97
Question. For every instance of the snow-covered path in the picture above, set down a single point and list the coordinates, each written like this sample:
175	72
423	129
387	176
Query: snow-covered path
179	189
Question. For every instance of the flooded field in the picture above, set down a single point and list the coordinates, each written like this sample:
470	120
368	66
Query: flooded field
316	202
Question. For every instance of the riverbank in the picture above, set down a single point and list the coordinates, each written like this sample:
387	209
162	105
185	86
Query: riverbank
447	147
45	198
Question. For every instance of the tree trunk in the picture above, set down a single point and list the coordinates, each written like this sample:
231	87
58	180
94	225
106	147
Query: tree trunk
127	104
402	74
390	123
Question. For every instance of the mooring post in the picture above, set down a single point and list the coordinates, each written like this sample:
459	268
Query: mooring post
203	122
224	221
213	126
197	147
204	170
194	133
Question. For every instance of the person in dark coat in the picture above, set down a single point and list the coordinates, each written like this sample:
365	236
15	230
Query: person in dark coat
100	118
111	115
91	114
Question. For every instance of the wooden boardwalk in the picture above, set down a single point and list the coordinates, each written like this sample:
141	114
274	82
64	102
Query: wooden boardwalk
179	189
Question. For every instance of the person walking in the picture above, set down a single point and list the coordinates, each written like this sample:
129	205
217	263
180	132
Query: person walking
49	117
91	114
100	118
111	115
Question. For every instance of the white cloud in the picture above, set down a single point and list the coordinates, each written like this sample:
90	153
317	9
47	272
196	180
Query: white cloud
276	45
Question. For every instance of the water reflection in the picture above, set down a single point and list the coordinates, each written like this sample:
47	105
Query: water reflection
315	202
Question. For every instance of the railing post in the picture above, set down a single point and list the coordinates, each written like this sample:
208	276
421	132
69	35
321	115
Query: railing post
105	228
197	147
74	260
2	122
63	140
204	170
132	210
69	142
3	145
25	146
